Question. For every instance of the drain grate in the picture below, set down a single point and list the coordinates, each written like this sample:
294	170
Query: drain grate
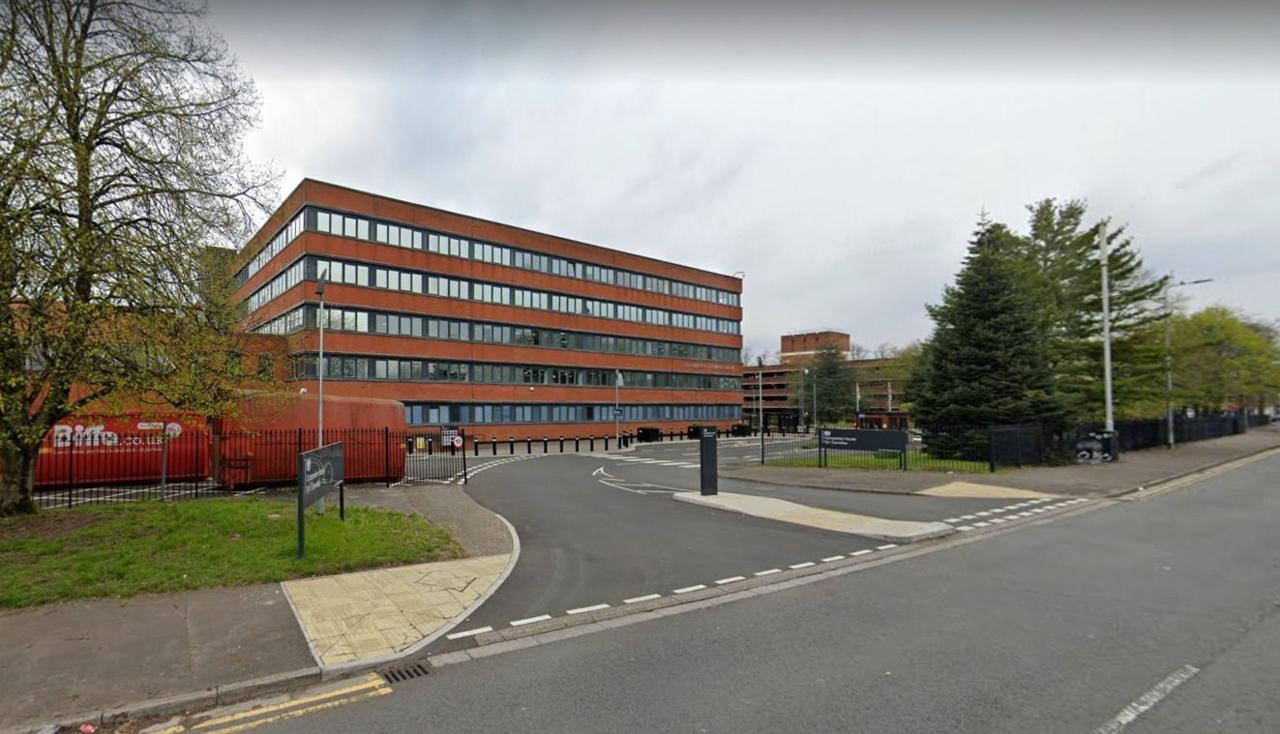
395	675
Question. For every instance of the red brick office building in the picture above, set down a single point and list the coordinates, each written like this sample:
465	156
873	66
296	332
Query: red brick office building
503	331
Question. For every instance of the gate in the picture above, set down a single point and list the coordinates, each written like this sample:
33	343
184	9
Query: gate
434	456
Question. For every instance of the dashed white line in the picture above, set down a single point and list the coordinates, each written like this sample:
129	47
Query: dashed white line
806	564
530	620
1130	713
981	524
468	633
982	514
731	579
886	546
687	589
952	519
862	552
584	610
768	571
965	528
829	559
968	517
638	599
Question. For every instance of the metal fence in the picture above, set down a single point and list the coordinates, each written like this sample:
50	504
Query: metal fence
1029	445
933	451
120	467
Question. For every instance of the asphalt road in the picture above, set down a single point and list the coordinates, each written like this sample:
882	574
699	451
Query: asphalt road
585	543
1164	609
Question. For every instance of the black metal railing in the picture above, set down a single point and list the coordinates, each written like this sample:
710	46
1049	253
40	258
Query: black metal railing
109	467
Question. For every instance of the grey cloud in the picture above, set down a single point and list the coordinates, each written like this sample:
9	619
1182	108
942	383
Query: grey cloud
843	183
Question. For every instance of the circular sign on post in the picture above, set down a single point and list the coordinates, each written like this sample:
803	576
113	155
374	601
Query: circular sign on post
457	442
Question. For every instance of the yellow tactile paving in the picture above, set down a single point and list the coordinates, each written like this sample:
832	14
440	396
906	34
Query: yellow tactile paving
367	615
982	491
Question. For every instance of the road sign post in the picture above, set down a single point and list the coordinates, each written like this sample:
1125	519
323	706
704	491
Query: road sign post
707	453
320	471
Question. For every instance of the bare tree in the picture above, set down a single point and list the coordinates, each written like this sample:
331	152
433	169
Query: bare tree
884	350
122	162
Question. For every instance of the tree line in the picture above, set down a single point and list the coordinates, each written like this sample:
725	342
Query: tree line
1018	337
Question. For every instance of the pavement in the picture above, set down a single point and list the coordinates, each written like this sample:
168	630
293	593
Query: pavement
1157	615
80	660
1134	470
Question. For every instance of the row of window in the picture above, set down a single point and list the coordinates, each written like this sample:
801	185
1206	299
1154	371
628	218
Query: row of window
396	279
475	414
444	244
291	276
420	370
272	248
395	324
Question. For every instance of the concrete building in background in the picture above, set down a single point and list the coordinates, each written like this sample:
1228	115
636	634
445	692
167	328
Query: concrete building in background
771	389
500	330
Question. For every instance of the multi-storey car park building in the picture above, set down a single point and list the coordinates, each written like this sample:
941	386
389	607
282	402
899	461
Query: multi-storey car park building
503	331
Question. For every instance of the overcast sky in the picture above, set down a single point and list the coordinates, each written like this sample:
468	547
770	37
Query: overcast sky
838	155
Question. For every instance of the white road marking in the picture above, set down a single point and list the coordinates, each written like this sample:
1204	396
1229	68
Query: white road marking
731	579
687	589
637	599
968	517
981	524
886	546
952	519
862	552
1130	713
531	620
768	571
829	559
982	514
806	564
584	610
468	633
964	528
997	520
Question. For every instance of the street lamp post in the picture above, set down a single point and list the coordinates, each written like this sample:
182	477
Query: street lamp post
1168	352
815	396
1103	258
320	374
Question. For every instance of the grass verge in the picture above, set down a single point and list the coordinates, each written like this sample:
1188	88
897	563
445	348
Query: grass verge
916	461
138	547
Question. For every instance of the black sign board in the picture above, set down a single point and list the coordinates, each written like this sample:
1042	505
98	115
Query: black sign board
852	439
320	471
707	457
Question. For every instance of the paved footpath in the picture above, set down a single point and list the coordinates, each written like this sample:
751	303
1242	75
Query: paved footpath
73	661
1134	470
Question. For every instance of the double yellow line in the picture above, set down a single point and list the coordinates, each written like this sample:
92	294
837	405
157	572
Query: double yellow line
369	686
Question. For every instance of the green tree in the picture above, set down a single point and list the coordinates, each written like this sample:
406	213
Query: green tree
834	379
1221	360
1058	263
120	161
987	361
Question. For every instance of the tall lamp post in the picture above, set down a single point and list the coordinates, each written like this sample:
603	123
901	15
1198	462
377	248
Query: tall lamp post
322	277
815	396
320	361
1104	260
617	432
1168	351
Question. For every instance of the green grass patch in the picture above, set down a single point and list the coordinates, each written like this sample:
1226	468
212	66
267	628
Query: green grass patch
138	547
882	461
